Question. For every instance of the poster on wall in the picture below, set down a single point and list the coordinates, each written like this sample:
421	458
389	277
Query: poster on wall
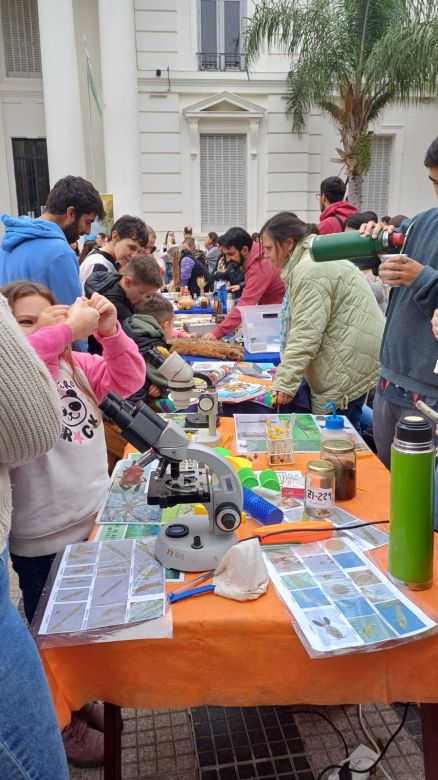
104	225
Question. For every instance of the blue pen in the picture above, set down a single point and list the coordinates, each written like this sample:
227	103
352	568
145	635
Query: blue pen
173	597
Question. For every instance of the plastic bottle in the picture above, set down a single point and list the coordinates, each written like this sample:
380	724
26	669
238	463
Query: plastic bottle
333	427
410	555
353	245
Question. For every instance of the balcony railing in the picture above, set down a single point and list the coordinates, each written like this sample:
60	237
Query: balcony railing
214	61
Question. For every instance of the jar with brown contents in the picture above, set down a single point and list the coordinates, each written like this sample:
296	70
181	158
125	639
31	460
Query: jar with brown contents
341	454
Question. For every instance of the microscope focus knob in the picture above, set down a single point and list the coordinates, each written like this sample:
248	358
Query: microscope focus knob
227	517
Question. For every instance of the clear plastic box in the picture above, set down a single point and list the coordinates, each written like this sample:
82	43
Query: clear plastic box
261	328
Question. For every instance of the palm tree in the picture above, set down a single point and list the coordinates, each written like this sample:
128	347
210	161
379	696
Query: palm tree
351	59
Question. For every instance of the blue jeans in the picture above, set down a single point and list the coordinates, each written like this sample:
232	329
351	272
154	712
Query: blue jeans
32	576
30	740
221	295
354	411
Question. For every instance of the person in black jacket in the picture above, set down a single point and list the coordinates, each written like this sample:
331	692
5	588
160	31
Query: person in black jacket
191	268
141	276
234	277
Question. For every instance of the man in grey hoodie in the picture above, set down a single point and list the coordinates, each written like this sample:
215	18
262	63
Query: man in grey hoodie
409	352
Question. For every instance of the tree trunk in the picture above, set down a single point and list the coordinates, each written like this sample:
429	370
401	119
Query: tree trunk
355	181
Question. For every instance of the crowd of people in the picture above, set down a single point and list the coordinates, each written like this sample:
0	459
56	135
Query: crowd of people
76	324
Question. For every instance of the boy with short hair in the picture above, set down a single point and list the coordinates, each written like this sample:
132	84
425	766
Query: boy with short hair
140	277
129	236
151	328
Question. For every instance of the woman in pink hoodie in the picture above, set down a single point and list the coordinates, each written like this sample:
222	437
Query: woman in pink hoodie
57	496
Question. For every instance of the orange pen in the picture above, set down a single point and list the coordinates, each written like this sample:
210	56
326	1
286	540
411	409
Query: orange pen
297	533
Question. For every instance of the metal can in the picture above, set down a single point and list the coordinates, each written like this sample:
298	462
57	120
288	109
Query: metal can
319	492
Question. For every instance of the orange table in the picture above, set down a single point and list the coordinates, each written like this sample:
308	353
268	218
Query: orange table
241	654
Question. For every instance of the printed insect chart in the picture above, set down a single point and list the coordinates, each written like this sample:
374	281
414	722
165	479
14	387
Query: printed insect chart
339	600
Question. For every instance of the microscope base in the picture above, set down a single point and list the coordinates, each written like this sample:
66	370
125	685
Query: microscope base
209	439
178	553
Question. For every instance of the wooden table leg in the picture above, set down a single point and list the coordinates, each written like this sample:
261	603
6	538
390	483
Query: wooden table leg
113	742
429	723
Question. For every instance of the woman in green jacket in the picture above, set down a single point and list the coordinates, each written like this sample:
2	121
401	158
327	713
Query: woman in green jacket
331	325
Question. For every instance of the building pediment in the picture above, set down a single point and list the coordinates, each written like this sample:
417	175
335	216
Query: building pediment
223	106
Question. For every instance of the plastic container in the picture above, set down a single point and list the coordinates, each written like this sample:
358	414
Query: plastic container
261	328
410	553
319	491
341	453
334	426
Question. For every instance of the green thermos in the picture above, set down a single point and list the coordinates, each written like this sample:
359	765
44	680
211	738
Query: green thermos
352	245
410	555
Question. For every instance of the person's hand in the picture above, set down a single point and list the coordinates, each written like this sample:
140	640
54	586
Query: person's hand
52	316
82	319
107	325
282	398
435	325
399	270
208	337
234	288
374	228
154	391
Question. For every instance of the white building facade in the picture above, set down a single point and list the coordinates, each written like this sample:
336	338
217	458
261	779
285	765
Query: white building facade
179	133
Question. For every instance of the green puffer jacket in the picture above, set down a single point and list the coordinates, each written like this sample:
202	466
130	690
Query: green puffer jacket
335	330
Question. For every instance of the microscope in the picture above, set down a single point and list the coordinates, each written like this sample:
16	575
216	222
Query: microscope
187	473
180	375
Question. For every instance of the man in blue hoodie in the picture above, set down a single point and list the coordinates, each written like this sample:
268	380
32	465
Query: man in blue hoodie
409	352
39	249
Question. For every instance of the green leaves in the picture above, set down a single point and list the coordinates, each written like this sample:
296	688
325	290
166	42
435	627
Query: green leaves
350	58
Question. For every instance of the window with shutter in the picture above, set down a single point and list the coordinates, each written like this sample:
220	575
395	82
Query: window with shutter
375	189
21	38
223	181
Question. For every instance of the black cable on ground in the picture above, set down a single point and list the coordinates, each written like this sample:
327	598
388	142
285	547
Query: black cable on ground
379	758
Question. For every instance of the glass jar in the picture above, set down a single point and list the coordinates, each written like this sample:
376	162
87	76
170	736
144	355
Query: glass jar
341	453
319	493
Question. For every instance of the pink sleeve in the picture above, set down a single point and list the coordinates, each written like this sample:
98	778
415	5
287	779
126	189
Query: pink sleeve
256	282
49	343
120	368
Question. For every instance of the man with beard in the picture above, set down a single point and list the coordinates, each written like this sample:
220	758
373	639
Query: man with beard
263	284
39	250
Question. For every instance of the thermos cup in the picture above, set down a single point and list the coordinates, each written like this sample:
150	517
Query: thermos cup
352	245
410	557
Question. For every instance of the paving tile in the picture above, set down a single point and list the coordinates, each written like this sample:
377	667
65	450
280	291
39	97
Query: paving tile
147	753
129	754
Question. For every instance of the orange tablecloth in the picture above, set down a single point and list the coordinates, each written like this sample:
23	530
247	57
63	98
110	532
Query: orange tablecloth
229	653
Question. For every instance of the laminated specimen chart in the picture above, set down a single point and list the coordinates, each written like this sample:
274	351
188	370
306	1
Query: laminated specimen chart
306	432
126	501
339	600
103	584
365	538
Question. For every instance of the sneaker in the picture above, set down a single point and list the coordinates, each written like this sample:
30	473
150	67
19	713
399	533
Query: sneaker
92	713
83	745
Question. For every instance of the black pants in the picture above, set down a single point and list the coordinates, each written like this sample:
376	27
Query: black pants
32	576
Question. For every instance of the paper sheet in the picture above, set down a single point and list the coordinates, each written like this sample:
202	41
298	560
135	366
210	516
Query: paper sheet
339	600
367	538
126	501
306	433
103	584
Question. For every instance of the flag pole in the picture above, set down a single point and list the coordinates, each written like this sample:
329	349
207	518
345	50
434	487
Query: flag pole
90	121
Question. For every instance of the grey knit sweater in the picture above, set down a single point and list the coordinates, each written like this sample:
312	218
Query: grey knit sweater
30	413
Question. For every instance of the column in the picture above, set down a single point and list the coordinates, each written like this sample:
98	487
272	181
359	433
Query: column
120	113
62	105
